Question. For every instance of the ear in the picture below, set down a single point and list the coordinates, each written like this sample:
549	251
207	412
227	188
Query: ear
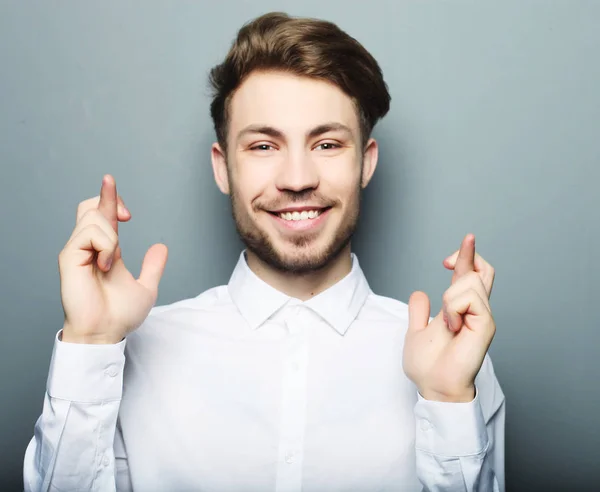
219	165
370	156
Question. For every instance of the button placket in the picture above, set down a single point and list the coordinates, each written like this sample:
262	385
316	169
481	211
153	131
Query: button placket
293	407
292	322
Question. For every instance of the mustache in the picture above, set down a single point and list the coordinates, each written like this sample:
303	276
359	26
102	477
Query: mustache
288	197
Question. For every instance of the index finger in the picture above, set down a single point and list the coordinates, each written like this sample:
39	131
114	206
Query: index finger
108	201
92	203
465	262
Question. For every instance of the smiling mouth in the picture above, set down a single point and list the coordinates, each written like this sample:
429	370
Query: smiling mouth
294	216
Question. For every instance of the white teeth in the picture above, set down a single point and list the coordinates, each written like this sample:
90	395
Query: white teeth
312	214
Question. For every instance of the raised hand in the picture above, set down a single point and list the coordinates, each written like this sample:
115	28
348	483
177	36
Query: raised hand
442	357
101	300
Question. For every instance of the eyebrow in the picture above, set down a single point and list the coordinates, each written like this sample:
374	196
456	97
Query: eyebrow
275	133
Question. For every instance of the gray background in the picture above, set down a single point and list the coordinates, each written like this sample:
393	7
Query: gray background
493	129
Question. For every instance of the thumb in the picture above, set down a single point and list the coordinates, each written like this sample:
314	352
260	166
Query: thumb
153	266
418	311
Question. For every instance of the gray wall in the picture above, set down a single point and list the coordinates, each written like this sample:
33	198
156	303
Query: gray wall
493	129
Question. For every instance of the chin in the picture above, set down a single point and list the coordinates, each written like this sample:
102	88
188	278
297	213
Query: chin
298	263
301	257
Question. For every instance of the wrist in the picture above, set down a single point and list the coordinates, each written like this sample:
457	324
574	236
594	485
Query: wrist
67	335
462	396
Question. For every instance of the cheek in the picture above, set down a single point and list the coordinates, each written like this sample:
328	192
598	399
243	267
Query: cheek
250	185
342	183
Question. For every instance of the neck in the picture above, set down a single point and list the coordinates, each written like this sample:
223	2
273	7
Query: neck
302	286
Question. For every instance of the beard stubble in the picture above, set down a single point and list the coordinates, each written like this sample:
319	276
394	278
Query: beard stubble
303	260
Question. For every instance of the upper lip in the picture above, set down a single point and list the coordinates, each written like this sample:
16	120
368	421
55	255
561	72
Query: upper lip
305	208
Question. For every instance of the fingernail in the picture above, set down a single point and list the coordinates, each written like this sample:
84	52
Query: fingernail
109	263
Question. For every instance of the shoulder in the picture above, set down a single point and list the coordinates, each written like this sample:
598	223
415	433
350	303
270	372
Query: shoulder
168	326
193	311
382	308
210	299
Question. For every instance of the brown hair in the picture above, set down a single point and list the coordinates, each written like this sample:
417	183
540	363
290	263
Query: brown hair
306	47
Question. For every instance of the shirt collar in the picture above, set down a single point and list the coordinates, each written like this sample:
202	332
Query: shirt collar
257	301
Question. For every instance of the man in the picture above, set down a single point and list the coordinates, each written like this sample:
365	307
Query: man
295	376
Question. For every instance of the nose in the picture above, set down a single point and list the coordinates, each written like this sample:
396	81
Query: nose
297	172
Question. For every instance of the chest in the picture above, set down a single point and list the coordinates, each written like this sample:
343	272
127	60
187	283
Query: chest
290	412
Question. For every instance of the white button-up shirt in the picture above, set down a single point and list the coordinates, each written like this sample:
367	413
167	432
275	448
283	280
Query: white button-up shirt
243	388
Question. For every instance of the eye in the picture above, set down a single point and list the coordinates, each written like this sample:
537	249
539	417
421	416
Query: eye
262	147
328	146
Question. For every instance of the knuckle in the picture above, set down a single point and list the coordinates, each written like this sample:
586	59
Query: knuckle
94	228
94	216
446	298
64	253
99	233
112	237
90	214
85	205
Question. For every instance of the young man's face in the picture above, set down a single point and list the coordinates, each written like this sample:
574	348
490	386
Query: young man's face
294	169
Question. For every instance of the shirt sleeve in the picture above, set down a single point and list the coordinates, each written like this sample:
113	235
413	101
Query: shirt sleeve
72	446
460	446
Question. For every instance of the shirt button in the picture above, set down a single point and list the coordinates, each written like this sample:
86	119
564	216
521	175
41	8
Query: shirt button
106	460
111	370
425	425
289	457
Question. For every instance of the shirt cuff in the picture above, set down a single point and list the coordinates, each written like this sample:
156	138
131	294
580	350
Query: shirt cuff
85	372
450	429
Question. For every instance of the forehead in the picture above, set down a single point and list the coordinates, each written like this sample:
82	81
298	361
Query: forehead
290	103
